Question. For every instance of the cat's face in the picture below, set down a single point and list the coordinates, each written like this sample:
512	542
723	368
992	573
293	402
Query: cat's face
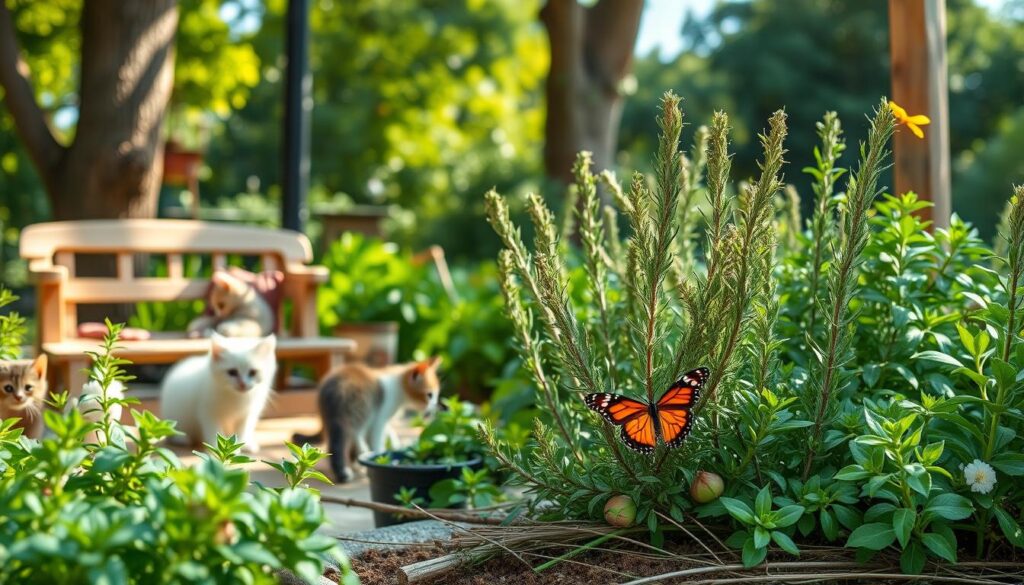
243	363
422	386
23	384
228	293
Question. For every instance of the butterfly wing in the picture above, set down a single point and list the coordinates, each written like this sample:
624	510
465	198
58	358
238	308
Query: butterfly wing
638	434
632	415
673	408
614	408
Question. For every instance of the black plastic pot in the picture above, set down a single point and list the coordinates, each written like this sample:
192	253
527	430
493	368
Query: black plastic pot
386	479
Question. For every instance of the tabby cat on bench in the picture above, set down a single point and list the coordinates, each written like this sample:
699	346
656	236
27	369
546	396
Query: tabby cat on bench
238	310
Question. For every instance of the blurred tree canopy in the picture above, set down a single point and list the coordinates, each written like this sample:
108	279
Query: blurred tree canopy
213	72
428	103
811	56
421	103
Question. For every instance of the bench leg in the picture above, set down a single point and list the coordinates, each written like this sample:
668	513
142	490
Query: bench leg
327	362
76	376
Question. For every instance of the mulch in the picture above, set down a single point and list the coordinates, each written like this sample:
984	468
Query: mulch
381	567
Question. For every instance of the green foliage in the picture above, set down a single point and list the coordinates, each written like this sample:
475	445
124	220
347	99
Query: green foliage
450	436
12	328
121	509
869	369
475	489
817	55
375	281
426	123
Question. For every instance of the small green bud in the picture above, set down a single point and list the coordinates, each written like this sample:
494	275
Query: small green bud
620	511
706	487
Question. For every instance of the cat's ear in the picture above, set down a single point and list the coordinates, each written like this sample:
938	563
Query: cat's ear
39	366
267	345
221	280
217	343
433	362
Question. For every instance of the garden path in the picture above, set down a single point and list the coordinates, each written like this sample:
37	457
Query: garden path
272	433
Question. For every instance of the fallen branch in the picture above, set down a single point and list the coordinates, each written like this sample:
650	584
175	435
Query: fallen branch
430	569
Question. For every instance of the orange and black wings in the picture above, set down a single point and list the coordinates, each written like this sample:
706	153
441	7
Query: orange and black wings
673	408
632	415
640	430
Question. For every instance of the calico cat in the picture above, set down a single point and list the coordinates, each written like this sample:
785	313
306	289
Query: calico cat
223	391
357	401
238	310
23	394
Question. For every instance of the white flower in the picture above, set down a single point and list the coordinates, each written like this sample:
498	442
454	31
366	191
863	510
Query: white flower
980	476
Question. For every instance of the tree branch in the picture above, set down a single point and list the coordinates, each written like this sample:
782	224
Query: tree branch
29	120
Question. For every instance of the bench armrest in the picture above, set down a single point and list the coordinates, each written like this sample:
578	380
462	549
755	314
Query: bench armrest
42	271
51	314
301	282
306	274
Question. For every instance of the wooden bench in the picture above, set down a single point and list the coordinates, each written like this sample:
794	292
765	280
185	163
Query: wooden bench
50	250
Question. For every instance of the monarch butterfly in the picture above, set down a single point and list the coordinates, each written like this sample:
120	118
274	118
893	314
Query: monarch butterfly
644	423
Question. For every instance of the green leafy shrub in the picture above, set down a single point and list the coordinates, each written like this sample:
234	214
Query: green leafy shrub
865	384
123	509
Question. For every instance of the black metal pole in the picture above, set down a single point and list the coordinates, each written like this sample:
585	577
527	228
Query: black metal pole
298	104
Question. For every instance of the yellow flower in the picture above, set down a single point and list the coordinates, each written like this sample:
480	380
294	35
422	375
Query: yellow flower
912	122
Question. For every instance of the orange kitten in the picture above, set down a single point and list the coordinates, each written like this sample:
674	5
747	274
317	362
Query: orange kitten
238	310
357	401
23	393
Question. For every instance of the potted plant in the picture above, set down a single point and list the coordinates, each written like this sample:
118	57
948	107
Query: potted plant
444	468
372	289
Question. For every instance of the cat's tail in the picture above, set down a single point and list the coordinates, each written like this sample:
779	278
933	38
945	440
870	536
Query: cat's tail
299	438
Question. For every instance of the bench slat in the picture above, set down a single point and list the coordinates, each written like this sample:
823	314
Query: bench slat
111	290
169	350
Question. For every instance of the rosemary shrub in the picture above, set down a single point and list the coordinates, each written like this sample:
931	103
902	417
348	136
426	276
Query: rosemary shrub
865	375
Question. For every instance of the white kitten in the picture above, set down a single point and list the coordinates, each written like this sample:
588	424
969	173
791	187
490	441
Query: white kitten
221	392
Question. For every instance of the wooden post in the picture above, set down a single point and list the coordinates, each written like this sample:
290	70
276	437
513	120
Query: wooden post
917	41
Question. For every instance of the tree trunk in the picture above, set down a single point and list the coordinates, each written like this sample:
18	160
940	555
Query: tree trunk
591	54
113	167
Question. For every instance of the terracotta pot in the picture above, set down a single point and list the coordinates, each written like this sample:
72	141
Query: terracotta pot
181	166
376	342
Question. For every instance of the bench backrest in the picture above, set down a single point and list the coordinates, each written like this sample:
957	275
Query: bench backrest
180	240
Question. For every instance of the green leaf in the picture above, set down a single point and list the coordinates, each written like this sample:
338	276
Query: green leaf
738	510
912	559
940	546
903	523
761	537
828	524
785	542
852	473
763	502
921	484
753	555
950	506
1009	463
937	356
1010	527
870	374
788	515
874	536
